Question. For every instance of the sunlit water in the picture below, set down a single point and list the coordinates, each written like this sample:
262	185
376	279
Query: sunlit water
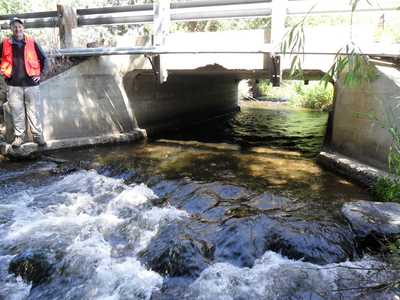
94	218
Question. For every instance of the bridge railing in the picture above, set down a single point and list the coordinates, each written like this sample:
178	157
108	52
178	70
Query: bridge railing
143	13
67	18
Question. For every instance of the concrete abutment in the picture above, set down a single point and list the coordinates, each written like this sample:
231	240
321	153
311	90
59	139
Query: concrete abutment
360	140
115	99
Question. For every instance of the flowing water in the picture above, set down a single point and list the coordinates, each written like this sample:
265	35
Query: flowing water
234	209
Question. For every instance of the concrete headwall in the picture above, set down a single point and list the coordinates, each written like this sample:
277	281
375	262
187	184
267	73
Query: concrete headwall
88	102
106	99
355	133
182	98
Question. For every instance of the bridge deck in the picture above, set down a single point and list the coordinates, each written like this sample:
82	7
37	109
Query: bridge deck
393	52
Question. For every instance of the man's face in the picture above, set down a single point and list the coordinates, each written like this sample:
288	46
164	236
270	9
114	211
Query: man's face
18	30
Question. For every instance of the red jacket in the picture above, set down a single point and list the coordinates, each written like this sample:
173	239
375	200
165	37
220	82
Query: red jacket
32	63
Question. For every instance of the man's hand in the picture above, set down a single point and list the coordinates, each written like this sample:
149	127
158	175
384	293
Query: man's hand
36	78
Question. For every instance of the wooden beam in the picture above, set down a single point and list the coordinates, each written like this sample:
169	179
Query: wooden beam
205	3
113	10
273	35
38	23
174	5
35	15
181	16
107	20
161	23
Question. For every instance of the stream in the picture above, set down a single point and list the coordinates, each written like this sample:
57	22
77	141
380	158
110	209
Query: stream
235	208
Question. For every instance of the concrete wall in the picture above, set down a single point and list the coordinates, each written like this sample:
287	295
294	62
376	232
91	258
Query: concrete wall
87	100
116	95
181	98
354	133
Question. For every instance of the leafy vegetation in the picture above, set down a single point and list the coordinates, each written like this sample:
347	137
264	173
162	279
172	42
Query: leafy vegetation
387	189
9	7
350	64
313	96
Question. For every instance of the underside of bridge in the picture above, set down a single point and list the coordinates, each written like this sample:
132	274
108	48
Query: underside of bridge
183	98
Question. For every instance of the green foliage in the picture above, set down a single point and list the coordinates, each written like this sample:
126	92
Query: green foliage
394	250
265	87
394	154
350	64
352	67
9	7
387	190
316	96
313	96
293	44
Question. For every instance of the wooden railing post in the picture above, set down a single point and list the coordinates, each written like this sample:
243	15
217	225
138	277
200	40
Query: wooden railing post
161	24
67	20
273	35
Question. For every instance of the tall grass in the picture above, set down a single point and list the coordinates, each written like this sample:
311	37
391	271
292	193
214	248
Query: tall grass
388	188
313	96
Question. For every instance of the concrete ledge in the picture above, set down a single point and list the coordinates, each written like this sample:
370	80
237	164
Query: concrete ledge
25	150
361	173
135	135
29	149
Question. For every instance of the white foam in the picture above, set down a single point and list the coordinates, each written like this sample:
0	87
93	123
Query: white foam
132	197
276	277
125	278
86	211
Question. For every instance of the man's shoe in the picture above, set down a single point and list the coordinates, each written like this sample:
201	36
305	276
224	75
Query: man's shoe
39	140
18	141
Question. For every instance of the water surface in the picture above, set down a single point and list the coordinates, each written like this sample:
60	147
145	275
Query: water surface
187	215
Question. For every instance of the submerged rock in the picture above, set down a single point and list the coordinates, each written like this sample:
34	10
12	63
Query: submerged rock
165	188
186	249
268	201
378	219
316	242
242	241
177	251
242	230
33	268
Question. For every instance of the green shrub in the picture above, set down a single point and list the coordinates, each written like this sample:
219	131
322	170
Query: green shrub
265	87
315	97
387	189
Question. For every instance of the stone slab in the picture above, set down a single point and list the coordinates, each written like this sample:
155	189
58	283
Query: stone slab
25	150
28	149
357	171
368	218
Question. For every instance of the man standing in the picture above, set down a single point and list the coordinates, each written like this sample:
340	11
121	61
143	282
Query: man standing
22	63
